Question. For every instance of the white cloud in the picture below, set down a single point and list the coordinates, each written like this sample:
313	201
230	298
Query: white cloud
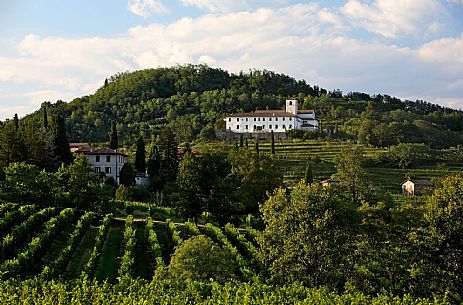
392	18
301	40
146	8
228	6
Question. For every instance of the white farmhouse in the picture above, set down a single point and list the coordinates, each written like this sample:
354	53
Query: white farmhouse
276	120
103	160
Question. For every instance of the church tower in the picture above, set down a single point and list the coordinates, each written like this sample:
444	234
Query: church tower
291	106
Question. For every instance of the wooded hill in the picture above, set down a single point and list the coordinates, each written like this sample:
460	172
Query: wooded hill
193	99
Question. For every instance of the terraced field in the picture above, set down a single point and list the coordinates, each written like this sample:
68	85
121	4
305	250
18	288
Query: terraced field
54	243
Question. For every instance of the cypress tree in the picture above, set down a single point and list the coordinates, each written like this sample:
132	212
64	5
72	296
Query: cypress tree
273	143
154	162
308	177
45	117
140	163
256	145
62	151
241	140
113	141
168	146
16	121
246	142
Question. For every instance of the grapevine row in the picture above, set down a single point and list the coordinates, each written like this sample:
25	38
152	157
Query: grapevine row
249	247
59	265
192	228
125	269
153	243
33	252
23	232
7	207
222	239
90	267
13	217
174	233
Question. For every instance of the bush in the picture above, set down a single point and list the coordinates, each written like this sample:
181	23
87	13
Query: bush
199	258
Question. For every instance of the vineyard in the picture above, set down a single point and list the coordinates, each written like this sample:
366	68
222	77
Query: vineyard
63	256
62	243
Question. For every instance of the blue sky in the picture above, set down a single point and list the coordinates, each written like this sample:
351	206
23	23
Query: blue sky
62	49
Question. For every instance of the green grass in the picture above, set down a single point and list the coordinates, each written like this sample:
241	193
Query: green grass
109	259
142	267
81	255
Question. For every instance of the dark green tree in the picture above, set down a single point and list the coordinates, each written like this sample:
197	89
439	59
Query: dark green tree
45	117
127	174
256	146
168	146
241	140
153	166
16	121
113	140
349	166
62	151
308	176
12	146
140	162
273	143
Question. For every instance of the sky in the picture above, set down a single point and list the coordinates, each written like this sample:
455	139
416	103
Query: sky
63	49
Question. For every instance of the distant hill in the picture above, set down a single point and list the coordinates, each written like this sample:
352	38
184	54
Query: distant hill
194	98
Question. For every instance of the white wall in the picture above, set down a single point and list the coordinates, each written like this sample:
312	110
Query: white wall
115	164
277	124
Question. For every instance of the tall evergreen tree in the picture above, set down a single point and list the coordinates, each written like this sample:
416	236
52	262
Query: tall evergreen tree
154	162
45	117
62	151
16	121
113	141
256	145
169	147
140	163
308	177
241	140
127	174
273	143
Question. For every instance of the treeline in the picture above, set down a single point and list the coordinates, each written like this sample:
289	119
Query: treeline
194	99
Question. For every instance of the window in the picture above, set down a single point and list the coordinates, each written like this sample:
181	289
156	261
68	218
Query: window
254	119
290	119
229	119
258	119
276	119
254	126
263	119
108	158
284	126
283	119
269	126
237	119
246	119
97	170
97	159
290	126
276	126
270	119
290	103
246	126
237	126
263	126
107	170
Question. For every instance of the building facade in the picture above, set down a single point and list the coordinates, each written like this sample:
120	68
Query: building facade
416	187
104	160
276	120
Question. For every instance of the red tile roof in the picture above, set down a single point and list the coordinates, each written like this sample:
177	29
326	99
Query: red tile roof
99	151
263	113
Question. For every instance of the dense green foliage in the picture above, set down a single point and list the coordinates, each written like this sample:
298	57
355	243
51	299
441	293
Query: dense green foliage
160	291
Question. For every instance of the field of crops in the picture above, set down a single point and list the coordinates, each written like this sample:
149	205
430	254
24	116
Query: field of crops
62	243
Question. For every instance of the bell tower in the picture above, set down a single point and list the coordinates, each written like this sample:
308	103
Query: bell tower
291	106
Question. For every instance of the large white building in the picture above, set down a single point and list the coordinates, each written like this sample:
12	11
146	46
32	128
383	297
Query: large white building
276	120
103	160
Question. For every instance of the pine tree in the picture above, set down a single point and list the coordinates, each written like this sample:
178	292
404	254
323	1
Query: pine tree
273	143
62	151
113	141
308	177
140	163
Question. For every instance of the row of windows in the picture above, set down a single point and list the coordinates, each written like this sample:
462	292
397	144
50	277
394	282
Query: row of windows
107	170
108	159
258	119
263	127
